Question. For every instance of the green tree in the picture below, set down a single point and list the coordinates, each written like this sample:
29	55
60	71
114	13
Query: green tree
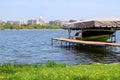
7	26
36	26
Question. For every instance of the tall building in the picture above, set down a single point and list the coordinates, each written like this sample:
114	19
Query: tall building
31	22
57	22
23	23
14	22
41	21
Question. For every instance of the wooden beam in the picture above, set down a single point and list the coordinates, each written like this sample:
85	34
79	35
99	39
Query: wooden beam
86	42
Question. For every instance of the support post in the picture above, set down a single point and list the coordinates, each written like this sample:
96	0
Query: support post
69	31
69	44
81	34
61	43
115	37
66	43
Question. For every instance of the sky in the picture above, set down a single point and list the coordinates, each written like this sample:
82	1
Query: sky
58	9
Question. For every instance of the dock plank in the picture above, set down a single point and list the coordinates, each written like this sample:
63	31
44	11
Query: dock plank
86	42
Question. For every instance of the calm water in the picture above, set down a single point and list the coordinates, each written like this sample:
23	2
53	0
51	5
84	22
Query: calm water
34	46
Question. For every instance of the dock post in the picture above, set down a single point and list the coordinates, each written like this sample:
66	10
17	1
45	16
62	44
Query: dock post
52	41
66	43
69	44
61	43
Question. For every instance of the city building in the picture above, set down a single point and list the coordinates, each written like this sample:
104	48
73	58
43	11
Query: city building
40	21
14	22
57	22
23	23
1	22
31	22
72	20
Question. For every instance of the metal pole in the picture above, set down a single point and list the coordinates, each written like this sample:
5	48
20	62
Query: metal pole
69	31
115	37
81	34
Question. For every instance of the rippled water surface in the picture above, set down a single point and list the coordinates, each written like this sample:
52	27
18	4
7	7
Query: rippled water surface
34	46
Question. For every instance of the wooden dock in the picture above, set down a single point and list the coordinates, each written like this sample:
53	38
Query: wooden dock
85	42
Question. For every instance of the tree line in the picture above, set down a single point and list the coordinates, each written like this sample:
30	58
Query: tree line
35	26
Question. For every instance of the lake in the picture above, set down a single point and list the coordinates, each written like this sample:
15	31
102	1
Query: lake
34	47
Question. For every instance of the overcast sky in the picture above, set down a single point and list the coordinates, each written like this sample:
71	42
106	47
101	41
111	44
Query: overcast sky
58	9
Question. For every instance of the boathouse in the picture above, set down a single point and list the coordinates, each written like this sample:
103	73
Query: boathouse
96	29
92	32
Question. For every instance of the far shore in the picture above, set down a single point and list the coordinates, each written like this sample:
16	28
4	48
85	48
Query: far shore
31	29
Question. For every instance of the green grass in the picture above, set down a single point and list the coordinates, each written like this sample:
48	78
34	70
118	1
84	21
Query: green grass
53	71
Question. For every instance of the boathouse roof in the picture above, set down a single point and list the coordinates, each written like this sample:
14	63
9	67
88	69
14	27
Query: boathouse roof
94	23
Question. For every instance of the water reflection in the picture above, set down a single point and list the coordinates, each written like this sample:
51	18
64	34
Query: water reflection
87	54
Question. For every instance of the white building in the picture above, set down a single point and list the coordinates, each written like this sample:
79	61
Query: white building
40	21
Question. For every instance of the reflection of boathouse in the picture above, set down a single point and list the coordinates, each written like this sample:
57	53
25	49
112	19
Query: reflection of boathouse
94	30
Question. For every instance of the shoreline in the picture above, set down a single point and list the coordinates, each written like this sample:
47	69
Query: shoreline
31	29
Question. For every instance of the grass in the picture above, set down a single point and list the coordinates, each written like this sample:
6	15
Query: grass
53	71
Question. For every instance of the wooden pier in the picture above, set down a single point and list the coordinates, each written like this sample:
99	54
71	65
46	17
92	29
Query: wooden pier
85	42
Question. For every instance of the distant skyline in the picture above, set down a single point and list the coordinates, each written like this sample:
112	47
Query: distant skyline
58	9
